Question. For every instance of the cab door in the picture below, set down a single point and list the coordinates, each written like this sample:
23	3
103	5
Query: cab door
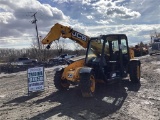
124	54
119	53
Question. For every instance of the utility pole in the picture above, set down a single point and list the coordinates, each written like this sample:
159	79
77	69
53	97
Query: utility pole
35	22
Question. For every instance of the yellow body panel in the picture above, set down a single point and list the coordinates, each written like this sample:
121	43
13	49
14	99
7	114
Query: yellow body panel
59	30
71	72
131	53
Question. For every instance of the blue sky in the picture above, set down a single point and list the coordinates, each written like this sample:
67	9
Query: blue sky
135	18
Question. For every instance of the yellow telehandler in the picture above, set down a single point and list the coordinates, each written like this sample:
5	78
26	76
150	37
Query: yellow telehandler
108	58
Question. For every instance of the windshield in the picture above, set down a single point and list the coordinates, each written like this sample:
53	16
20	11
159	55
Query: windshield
95	49
111	49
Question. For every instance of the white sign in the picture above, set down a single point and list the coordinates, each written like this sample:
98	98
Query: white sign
35	79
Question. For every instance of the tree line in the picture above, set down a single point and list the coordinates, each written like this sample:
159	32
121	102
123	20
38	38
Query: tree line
42	55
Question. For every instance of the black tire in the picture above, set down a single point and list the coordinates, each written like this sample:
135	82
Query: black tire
59	83
135	71
87	84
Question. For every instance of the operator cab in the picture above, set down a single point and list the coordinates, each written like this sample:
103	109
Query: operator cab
108	55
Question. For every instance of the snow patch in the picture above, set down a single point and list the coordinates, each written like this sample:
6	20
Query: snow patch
2	96
157	70
147	102
156	62
108	99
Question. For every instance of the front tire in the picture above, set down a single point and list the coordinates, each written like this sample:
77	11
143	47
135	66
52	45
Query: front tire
59	83
135	71
87	84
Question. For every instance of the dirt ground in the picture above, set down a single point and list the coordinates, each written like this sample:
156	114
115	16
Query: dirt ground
123	101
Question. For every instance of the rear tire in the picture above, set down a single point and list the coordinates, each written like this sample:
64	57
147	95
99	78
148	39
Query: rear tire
87	84
134	71
59	83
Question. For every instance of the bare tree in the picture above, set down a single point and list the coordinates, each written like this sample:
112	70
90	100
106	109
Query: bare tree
59	46
79	49
10	55
36	52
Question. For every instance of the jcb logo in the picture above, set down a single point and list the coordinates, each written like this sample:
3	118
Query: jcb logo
79	35
70	75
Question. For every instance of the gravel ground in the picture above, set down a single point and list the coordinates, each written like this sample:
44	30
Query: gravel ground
123	101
